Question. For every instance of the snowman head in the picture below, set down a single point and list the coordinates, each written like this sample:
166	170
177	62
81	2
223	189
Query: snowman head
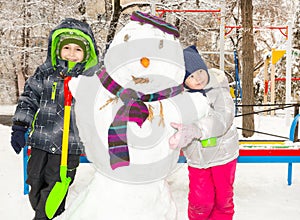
146	55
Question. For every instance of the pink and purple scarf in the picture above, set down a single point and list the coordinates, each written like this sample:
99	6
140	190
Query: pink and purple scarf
134	110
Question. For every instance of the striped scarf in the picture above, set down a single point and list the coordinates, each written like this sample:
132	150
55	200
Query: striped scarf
134	110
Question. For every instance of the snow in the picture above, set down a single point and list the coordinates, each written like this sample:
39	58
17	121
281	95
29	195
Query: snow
261	190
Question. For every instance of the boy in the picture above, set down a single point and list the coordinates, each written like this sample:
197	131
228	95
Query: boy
72	51
212	167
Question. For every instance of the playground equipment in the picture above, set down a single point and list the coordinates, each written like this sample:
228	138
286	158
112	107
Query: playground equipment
238	88
276	55
225	30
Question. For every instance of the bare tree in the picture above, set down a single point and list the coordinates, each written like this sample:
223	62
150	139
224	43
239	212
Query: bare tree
25	25
296	54
248	67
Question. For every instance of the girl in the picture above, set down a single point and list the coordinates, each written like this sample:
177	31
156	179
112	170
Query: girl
212	162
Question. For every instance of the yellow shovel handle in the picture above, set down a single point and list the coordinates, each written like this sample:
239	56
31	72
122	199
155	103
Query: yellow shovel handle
65	141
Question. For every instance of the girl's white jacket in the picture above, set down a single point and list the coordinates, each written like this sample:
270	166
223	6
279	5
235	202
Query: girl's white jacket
218	123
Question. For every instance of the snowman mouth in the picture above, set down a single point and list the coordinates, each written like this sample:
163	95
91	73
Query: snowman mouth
140	80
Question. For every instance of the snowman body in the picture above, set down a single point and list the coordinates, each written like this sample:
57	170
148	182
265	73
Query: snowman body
139	190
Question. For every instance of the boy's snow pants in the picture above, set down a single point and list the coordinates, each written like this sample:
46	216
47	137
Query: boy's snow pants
43	172
211	192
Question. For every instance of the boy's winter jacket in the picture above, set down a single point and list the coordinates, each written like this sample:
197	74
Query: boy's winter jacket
41	105
218	123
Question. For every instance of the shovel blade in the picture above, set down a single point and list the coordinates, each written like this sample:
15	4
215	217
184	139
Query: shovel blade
56	196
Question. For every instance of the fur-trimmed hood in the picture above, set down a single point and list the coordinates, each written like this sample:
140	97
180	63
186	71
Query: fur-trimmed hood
217	78
78	27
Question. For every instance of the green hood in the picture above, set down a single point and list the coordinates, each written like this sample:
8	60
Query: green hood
79	28
93	59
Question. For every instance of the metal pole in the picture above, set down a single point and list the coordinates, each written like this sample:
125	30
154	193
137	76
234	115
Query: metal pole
273	85
222	36
153	7
288	70
296	112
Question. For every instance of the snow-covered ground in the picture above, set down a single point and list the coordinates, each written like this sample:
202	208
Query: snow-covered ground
261	190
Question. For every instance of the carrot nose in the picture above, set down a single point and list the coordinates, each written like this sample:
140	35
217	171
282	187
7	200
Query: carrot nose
145	62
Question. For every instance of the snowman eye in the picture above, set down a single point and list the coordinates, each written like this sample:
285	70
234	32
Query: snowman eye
126	37
161	44
145	62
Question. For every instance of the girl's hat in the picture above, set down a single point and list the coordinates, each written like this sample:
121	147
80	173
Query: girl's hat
193	61
72	38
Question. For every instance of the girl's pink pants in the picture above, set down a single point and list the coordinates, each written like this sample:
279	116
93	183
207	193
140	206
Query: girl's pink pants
211	192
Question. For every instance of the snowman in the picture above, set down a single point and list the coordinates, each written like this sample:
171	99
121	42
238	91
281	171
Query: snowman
123	114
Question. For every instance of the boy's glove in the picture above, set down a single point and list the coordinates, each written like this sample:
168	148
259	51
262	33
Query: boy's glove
18	137
184	135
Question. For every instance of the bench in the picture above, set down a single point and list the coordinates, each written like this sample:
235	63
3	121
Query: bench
253	152
269	152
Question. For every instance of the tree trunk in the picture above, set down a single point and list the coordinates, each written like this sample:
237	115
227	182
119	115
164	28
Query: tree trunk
82	7
114	21
248	67
23	74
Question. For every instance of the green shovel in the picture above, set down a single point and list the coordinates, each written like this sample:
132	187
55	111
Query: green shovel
60	189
